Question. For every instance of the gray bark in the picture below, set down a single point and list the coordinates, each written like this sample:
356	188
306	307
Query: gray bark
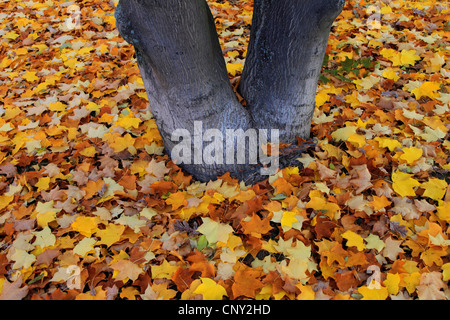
186	80
284	60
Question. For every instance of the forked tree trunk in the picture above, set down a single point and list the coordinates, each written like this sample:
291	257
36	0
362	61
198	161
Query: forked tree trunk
186	80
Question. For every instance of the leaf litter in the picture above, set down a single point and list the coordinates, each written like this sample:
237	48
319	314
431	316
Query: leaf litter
91	208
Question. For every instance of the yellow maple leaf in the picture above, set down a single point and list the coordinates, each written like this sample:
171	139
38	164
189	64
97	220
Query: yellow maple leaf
5	200
389	143
392	283
30	76
319	203
321	98
129	121
70	63
234	68
44	218
11	35
44	238
354	239
210	290
389	73
403	184
446	271
22	259
342	134
164	271
411	154
57	106
411	281
426	89
85	225
357	140
306	292
288	219
243	196
436	62
433	255
443	210
111	234
434	188
408	57
373	293
88	152
366	83
43	183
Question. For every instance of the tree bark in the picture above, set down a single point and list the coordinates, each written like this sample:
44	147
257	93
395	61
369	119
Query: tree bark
184	72
185	76
286	50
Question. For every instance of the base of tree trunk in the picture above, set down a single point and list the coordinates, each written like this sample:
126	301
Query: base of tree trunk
185	76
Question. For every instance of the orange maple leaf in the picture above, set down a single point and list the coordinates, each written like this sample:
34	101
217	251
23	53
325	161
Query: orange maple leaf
256	226
246	283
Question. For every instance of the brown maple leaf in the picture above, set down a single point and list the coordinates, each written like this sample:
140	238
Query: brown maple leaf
361	178
13	290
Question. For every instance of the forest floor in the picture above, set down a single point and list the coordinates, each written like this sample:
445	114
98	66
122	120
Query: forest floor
91	208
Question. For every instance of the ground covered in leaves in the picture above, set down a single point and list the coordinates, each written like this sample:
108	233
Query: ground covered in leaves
91	208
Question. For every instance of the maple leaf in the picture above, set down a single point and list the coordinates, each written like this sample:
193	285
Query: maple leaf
85	246
363	178
246	283
85	225
110	235
319	203
412	154
125	269
427	89
379	203
234	68
256	226
283	187
430	286
392	283
13	290
403	184
374	242
434	188
392	249
443	210
22	259
97	294
158	169
44	238
177	200
210	290
75	155
373	293
164	271
215	231
354	239
288	219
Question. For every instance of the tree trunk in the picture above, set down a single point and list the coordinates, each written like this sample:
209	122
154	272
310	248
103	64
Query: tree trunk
185	76
284	60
